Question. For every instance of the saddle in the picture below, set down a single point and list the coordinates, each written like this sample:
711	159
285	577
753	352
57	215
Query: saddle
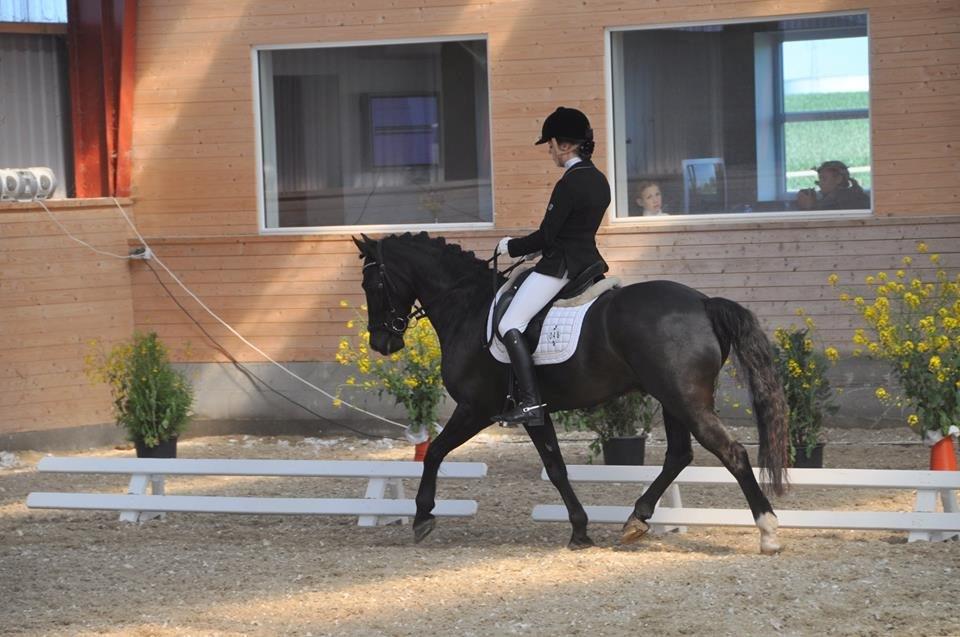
573	289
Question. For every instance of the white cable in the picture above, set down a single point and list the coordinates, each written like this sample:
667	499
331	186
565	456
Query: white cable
238	335
80	241
208	310
154	256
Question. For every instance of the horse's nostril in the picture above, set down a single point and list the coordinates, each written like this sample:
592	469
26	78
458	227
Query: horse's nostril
379	342
394	344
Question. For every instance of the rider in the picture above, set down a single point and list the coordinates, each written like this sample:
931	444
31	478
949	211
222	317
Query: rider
567	239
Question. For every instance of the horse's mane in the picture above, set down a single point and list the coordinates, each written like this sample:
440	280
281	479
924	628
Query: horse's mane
448	252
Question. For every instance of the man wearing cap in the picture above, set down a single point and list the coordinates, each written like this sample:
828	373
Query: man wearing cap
567	239
838	190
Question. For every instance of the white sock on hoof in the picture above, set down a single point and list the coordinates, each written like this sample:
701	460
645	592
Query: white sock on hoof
768	525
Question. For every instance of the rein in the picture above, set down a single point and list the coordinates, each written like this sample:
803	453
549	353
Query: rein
397	322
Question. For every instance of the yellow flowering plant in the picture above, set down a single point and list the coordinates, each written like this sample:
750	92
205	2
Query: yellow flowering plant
410	376
151	400
913	323
802	370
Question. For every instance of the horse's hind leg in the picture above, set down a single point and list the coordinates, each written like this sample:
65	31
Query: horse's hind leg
461	427
679	455
710	433
545	440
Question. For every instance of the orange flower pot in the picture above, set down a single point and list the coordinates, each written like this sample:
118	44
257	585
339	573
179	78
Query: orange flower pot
420	451
943	456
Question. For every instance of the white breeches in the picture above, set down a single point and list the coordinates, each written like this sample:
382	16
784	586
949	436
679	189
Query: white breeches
535	292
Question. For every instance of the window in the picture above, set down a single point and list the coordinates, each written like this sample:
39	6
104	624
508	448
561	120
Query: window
34	90
375	135
736	118
34	11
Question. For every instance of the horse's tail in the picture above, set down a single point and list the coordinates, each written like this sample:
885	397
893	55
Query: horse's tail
736	325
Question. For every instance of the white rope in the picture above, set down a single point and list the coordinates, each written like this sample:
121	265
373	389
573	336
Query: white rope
282	368
126	257
153	255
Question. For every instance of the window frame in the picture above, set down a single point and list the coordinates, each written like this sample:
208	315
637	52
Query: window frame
260	148
620	191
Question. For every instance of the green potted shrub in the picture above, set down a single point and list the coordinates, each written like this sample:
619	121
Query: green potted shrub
621	426
151	400
802	370
410	376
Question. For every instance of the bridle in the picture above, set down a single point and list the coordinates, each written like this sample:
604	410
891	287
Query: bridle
397	322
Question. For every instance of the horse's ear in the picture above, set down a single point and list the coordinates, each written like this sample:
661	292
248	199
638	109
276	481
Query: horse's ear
366	246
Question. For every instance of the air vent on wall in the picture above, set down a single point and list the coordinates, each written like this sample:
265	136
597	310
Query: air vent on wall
26	184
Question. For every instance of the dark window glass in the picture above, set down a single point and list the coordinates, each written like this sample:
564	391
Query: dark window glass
375	135
737	118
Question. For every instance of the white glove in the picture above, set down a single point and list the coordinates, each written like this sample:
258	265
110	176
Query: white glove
502	246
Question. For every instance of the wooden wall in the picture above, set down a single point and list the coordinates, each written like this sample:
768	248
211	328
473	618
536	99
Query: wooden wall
195	173
195	167
194	131
284	292
776	269
57	295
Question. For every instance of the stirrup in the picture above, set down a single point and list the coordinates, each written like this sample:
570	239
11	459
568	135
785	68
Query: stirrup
509	406
522	415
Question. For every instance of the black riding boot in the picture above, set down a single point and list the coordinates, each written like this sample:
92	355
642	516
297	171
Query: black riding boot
529	409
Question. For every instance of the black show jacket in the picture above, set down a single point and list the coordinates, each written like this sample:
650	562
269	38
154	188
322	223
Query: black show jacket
567	234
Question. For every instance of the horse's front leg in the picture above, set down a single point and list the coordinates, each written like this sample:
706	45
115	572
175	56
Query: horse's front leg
545	440
461	427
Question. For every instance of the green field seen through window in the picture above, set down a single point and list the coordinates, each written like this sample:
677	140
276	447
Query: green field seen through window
808	144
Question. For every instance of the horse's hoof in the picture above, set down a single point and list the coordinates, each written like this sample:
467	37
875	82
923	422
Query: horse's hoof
578	544
633	530
422	528
770	547
769	542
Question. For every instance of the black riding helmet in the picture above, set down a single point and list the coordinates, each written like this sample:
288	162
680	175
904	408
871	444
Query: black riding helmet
566	123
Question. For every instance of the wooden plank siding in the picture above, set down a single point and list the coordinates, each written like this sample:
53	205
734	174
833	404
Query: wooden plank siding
194	102
195	164
194	185
284	292
57	296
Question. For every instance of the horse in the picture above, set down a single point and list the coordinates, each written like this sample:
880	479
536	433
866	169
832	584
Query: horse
659	337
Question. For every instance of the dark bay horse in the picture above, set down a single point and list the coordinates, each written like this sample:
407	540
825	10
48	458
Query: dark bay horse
660	337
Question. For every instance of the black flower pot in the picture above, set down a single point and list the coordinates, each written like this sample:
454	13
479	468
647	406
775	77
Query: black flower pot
813	461
166	449
624	450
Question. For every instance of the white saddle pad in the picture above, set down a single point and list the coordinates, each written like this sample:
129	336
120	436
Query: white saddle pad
558	338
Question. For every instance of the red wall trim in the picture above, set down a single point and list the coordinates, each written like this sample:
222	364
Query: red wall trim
128	26
86	94
100	37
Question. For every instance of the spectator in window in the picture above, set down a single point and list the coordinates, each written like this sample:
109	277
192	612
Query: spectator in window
838	190
649	198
